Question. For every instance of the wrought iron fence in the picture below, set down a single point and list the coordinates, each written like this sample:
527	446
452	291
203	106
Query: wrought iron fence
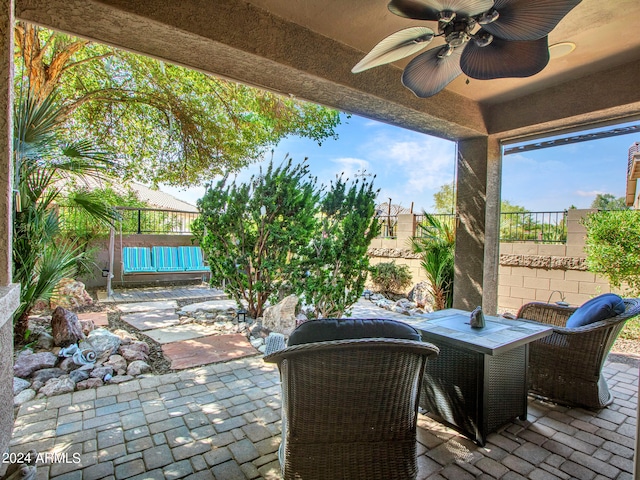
541	227
134	220
420	222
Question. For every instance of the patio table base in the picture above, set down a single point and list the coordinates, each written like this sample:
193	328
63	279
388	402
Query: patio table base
474	392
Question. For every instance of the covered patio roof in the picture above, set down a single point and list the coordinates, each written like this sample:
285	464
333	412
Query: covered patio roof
306	49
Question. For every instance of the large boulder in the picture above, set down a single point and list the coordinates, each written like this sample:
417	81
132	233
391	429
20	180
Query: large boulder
28	362
70	293
281	317
65	327
420	294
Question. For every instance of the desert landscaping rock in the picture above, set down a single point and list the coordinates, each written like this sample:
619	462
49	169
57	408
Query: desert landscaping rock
45	341
19	385
101	372
79	375
117	363
210	306
28	362
281	318
135	351
58	386
24	396
47	374
87	326
89	383
102	340
138	367
121	378
65	327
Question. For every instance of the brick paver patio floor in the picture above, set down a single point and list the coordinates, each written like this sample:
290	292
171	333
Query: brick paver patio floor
222	422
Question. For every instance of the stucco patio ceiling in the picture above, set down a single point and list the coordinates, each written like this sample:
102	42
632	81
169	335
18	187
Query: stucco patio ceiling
306	48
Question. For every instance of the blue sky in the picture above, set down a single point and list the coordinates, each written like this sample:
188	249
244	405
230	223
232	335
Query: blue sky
411	167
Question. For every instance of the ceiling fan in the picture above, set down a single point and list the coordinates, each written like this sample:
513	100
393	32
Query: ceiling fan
511	40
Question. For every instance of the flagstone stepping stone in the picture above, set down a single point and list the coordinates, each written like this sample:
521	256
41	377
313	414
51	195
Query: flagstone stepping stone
152	319
180	332
147	306
99	319
210	306
205	350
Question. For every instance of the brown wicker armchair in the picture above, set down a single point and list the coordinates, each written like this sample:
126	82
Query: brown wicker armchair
350	407
566	367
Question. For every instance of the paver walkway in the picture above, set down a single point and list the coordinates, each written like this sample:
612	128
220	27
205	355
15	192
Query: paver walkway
189	345
222	422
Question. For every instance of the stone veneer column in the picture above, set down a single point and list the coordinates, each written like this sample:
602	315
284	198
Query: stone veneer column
9	293
477	232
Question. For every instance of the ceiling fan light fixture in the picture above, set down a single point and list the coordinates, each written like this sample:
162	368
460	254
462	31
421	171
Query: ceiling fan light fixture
488	17
561	49
447	16
445	51
482	39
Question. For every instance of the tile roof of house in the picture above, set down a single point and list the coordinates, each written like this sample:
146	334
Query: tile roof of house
155	198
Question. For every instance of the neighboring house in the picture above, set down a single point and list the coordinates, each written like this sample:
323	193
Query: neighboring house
633	174
154	198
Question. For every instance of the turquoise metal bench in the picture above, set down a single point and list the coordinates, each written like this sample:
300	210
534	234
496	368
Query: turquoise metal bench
137	260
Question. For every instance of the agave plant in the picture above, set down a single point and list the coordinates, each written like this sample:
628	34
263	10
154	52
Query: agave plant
41	258
436	247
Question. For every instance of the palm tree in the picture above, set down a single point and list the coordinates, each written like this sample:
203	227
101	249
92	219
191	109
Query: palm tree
41	257
436	247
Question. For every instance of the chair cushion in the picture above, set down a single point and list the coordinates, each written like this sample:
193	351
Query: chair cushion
328	329
599	308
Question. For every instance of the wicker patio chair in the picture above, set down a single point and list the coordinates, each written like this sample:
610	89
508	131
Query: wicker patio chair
566	367
350	406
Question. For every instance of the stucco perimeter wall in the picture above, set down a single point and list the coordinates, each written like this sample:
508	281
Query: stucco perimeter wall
528	271
101	260
547	272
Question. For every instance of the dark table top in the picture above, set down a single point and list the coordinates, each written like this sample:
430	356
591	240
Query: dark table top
499	335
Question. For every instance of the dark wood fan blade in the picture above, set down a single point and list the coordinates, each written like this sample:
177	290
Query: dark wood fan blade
427	74
528	19
503	58
430	9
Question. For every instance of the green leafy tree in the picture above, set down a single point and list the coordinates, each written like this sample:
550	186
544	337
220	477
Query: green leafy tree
41	255
390	278
612	249
250	232
607	201
444	200
436	247
336	261
167	124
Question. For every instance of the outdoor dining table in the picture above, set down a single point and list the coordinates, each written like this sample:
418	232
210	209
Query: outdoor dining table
478	382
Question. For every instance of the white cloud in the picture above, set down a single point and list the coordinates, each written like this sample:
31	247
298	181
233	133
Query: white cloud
592	193
350	166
